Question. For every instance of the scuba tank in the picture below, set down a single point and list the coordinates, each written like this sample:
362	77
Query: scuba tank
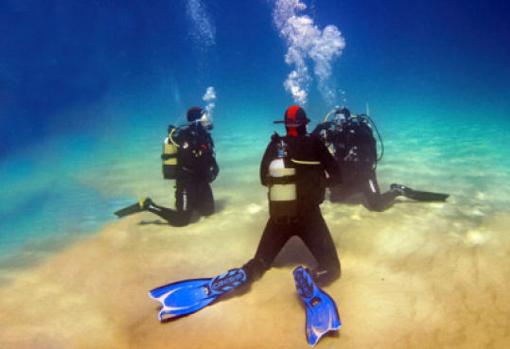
282	185
169	155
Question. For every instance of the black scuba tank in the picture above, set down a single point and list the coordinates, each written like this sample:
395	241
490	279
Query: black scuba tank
282	185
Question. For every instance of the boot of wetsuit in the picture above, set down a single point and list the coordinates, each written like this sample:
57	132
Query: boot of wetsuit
400	189
324	277
174	218
254	269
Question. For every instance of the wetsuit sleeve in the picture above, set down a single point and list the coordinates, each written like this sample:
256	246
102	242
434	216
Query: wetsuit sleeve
330	165
264	164
213	151
322	128
213	169
179	136
211	142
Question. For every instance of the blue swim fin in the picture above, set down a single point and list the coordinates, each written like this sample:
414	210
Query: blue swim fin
321	312
188	296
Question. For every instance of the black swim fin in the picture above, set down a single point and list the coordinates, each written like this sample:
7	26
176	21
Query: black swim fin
418	195
135	208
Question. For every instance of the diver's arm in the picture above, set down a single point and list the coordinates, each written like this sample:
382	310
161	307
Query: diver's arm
216	168
330	165
210	139
323	131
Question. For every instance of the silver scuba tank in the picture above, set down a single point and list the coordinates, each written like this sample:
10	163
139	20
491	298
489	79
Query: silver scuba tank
282	186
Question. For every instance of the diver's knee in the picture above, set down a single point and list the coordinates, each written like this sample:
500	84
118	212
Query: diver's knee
374	205
207	211
374	208
181	220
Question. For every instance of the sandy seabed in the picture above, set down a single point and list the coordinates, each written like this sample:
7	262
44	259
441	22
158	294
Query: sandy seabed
420	275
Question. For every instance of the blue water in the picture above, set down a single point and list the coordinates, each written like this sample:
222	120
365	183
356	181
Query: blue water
88	88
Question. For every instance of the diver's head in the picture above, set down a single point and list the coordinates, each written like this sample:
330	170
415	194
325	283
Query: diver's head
194	114
295	121
342	115
199	115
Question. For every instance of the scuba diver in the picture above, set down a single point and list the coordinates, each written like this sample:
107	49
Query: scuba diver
189	158
351	140
293	168
296	168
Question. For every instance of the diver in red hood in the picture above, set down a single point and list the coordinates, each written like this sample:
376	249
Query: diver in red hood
297	168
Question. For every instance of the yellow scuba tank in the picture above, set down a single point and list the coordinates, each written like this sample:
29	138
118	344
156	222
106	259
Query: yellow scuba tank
169	156
282	185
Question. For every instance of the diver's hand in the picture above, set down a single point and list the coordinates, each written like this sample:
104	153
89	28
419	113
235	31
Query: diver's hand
212	173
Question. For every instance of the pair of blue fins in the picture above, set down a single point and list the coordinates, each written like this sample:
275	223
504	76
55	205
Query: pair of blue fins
189	296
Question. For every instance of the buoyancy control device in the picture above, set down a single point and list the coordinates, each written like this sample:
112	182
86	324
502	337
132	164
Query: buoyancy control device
282	184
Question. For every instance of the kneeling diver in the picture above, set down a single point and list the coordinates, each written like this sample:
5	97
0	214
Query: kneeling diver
351	141
188	158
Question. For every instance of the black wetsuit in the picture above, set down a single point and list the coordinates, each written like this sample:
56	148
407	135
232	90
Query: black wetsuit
308	224
362	187
354	148
197	168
